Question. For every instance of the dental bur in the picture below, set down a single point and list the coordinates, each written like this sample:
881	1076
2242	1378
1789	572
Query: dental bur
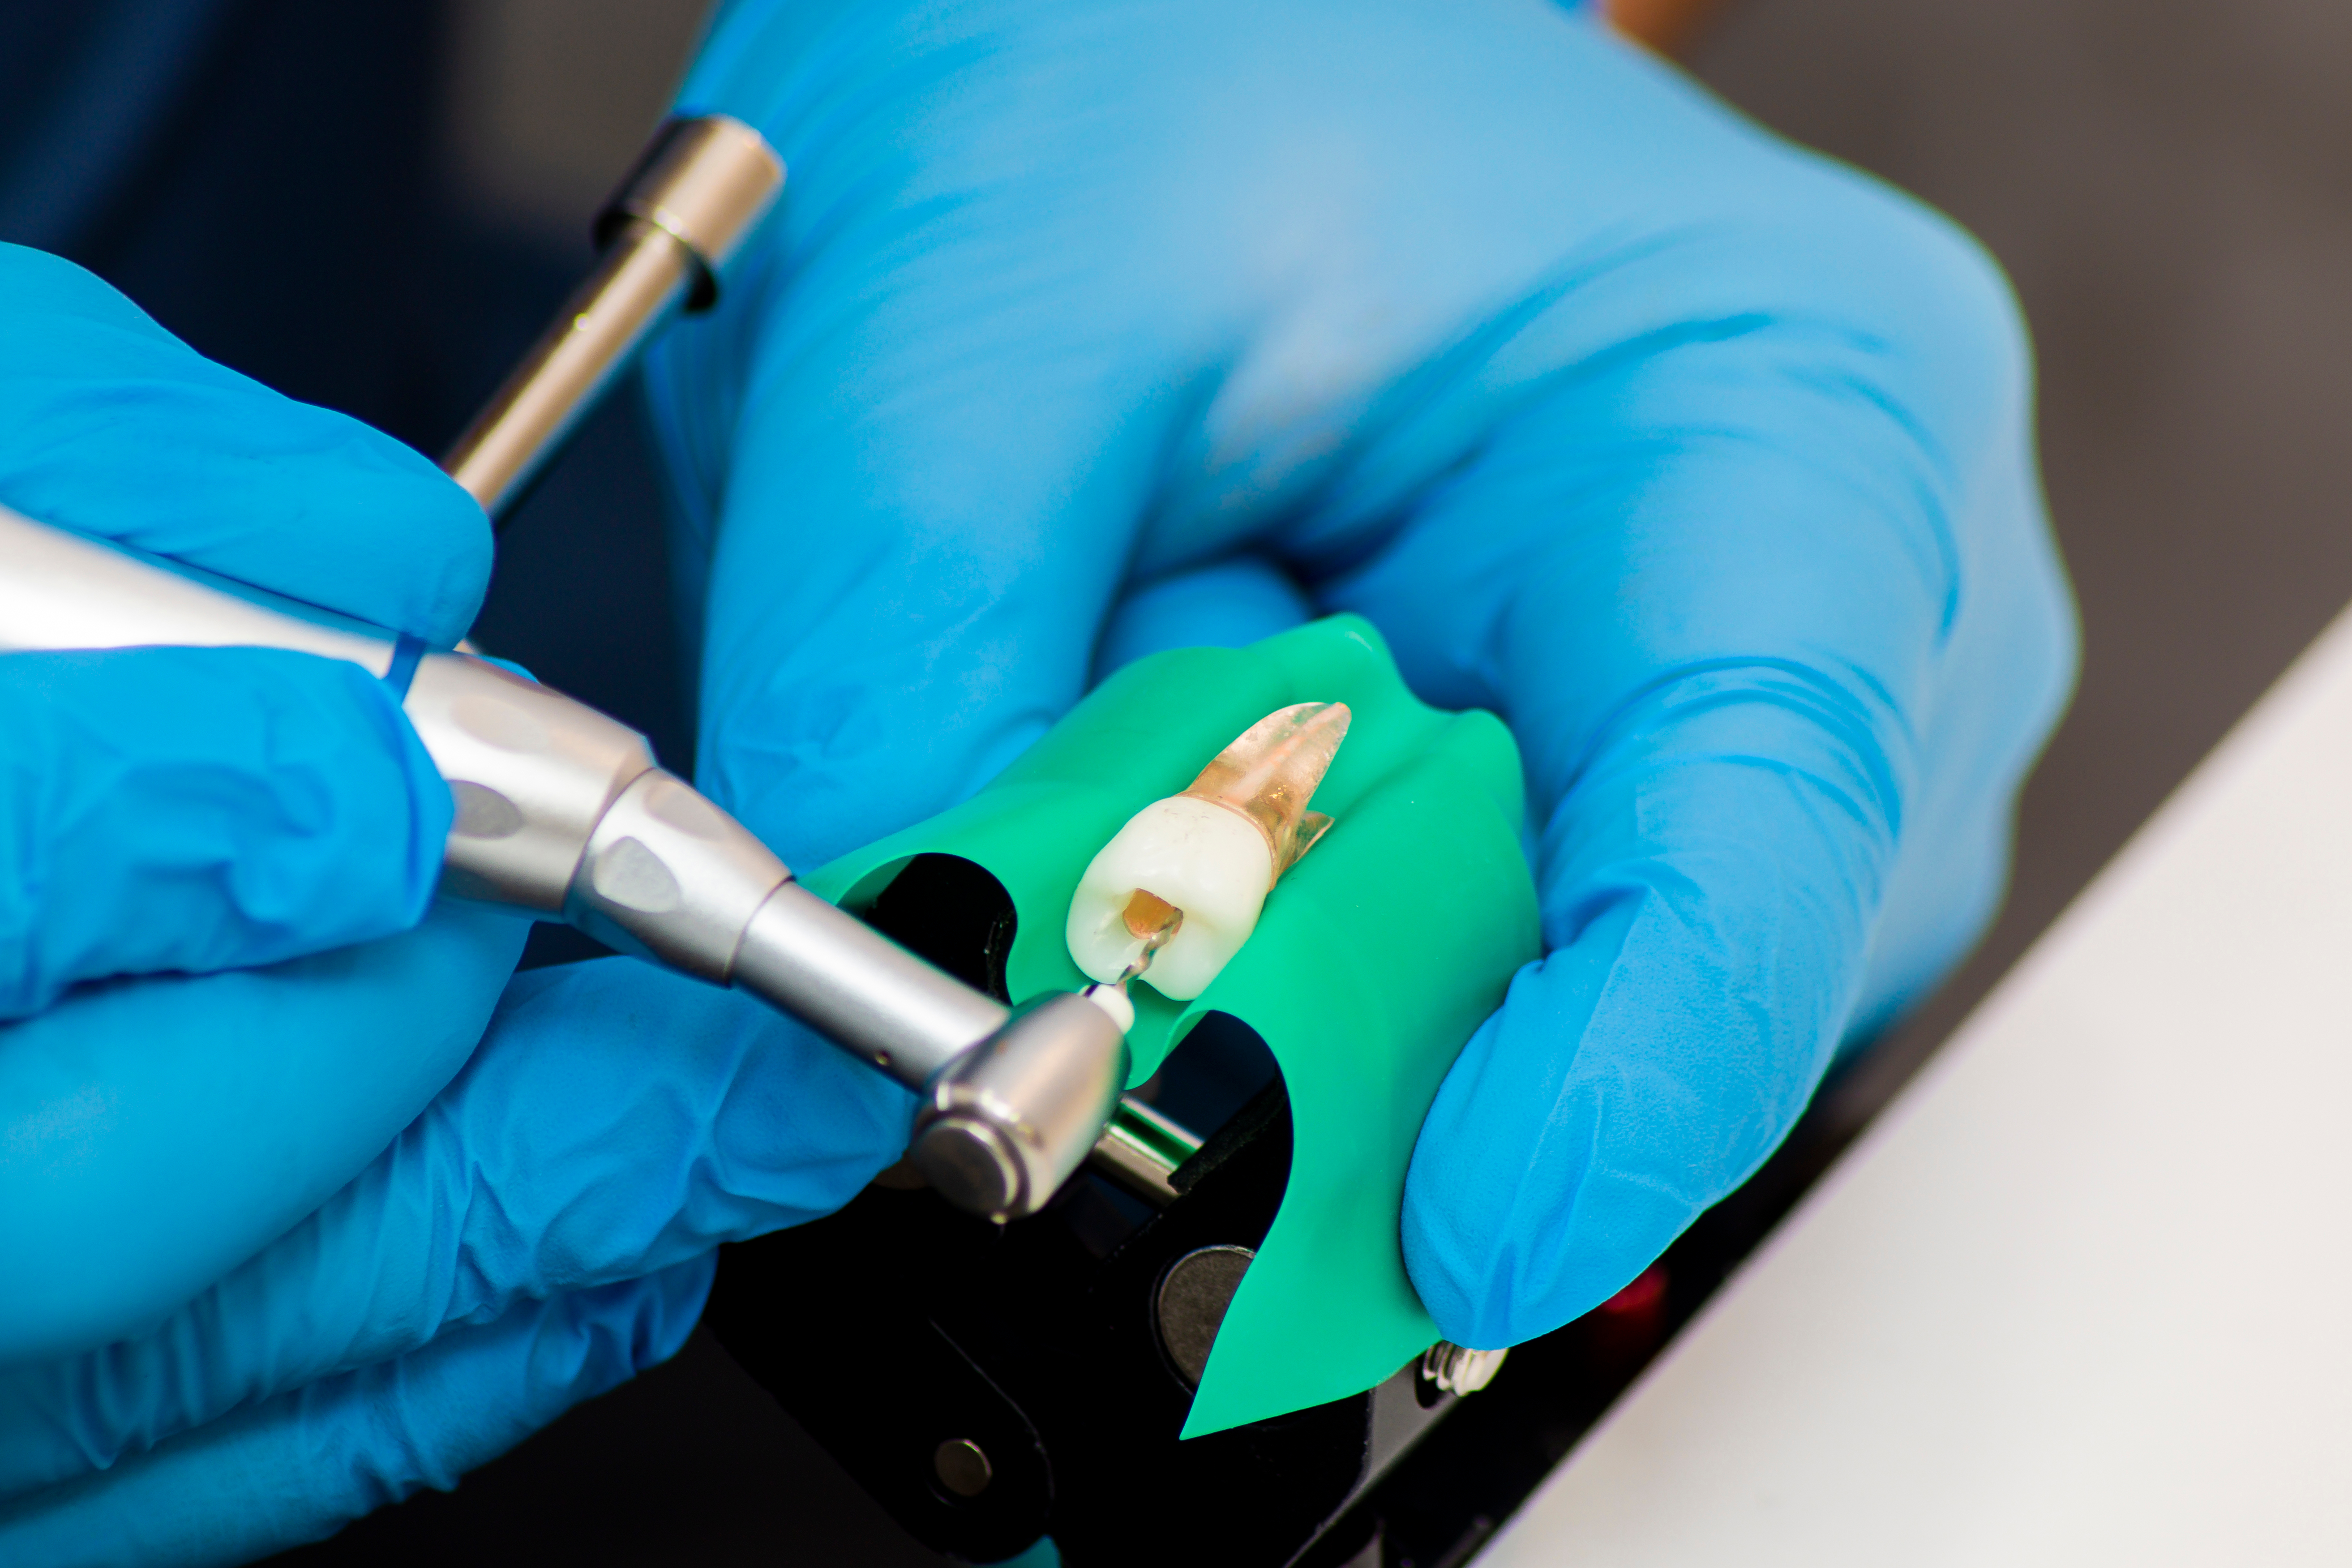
563	812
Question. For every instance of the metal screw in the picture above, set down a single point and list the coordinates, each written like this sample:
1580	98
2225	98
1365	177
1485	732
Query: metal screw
1458	1371
961	1468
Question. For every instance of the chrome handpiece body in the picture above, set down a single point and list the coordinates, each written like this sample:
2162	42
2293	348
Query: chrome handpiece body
699	189
560	810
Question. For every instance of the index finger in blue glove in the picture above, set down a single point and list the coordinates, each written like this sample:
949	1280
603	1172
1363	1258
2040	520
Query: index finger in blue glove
112	428
1227	604
200	809
617	1120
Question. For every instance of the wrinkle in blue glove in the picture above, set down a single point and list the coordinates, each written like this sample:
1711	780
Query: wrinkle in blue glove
156	1132
1092	326
300	1467
616	1122
200	809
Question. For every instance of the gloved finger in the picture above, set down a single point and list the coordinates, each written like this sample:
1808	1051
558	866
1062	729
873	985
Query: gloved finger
617	1120
300	1467
1227	604
116	428
159	1131
200	809
1737	595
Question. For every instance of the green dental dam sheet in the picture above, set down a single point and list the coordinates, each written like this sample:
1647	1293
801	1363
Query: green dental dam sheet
1374	960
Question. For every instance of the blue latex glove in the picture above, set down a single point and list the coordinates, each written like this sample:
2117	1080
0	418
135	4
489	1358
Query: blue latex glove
192	815
541	1232
1089	327
252	1291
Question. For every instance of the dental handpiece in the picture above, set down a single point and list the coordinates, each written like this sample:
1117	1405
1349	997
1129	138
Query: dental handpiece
563	812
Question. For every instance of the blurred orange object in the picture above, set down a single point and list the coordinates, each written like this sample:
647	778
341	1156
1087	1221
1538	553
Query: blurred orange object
1668	27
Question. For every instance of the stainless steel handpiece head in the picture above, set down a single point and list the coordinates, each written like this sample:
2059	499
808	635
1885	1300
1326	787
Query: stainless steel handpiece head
1005	1126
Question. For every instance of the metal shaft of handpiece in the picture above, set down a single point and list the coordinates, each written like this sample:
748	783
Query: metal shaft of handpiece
700	190
643	276
832	970
559	809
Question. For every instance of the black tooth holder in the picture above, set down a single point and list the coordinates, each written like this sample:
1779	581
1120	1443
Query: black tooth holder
900	1323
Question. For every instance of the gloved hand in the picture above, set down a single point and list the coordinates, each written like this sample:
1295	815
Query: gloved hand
1088	327
252	1291
241	843
541	1232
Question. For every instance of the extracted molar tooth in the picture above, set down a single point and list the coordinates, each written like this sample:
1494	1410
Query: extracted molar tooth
1205	860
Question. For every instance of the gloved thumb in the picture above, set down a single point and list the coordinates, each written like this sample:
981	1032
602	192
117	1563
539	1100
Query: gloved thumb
1717	876
924	522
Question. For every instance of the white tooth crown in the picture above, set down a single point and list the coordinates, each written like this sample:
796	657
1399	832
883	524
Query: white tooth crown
1178	890
1206	860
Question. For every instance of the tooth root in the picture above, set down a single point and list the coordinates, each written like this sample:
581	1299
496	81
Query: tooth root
1212	852
1312	826
1271	772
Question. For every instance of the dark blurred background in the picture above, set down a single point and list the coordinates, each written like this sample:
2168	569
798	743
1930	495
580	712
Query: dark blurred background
2169	186
2168	182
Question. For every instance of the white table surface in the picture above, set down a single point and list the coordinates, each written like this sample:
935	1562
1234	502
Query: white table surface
2083	1294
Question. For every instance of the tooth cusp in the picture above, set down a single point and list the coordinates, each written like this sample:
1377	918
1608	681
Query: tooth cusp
1201	857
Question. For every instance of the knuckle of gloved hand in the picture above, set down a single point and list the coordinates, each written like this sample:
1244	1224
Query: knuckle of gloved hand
275	802
1953	336
360	809
330	512
408	550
